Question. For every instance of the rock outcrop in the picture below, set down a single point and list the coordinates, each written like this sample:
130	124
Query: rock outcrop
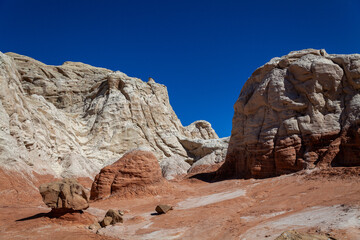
64	196
74	119
136	172
174	166
201	152
295	112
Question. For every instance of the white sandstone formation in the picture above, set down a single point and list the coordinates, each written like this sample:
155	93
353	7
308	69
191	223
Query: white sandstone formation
73	119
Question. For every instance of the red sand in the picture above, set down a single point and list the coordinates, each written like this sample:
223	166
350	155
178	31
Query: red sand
326	201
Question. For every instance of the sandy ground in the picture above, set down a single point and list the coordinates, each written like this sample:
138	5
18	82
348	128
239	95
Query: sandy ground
326	201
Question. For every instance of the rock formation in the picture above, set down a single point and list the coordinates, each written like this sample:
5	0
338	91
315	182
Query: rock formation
295	112
201	152
74	119
64	196
136	172
174	166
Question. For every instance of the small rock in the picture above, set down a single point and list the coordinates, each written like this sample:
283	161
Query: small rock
121	212
106	221
115	216
95	226
160	209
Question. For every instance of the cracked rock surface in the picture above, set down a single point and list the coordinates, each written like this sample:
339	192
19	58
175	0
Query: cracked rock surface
296	112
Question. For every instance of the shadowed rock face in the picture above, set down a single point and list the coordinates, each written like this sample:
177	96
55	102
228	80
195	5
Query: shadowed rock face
296	112
136	172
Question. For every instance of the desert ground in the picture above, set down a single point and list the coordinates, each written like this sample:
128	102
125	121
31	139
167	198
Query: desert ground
311	201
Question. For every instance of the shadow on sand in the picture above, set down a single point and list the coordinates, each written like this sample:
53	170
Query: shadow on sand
155	214
39	215
209	177
52	214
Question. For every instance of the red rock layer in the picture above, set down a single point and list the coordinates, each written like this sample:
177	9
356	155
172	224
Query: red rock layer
294	153
132	174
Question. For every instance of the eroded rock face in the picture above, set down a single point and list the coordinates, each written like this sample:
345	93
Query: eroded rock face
64	196
137	171
174	166
201	152
296	112
74	119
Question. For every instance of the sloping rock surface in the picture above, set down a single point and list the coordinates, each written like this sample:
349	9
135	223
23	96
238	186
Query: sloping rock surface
74	119
295	112
136	172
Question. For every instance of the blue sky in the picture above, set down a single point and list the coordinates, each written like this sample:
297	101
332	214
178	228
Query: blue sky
203	51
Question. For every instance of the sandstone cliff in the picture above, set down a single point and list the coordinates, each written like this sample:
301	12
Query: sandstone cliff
73	119
296	112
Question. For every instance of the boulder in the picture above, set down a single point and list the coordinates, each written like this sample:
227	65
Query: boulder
296	112
135	172
116	216
106	221
112	217
66	195
162	209
95	226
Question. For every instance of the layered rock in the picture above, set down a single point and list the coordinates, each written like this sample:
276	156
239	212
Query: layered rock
296	112
201	152
64	196
136	172
73	119
174	166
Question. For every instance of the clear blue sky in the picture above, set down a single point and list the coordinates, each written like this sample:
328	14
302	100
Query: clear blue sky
203	51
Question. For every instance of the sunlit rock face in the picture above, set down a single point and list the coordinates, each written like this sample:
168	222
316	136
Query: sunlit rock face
74	119
135	173
296	112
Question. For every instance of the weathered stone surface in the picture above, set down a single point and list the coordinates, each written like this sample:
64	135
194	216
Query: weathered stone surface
200	152
95	226
201	129
74	119
174	166
294	235
115	216
106	221
199	148
296	112
162	208
66	195
131	174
